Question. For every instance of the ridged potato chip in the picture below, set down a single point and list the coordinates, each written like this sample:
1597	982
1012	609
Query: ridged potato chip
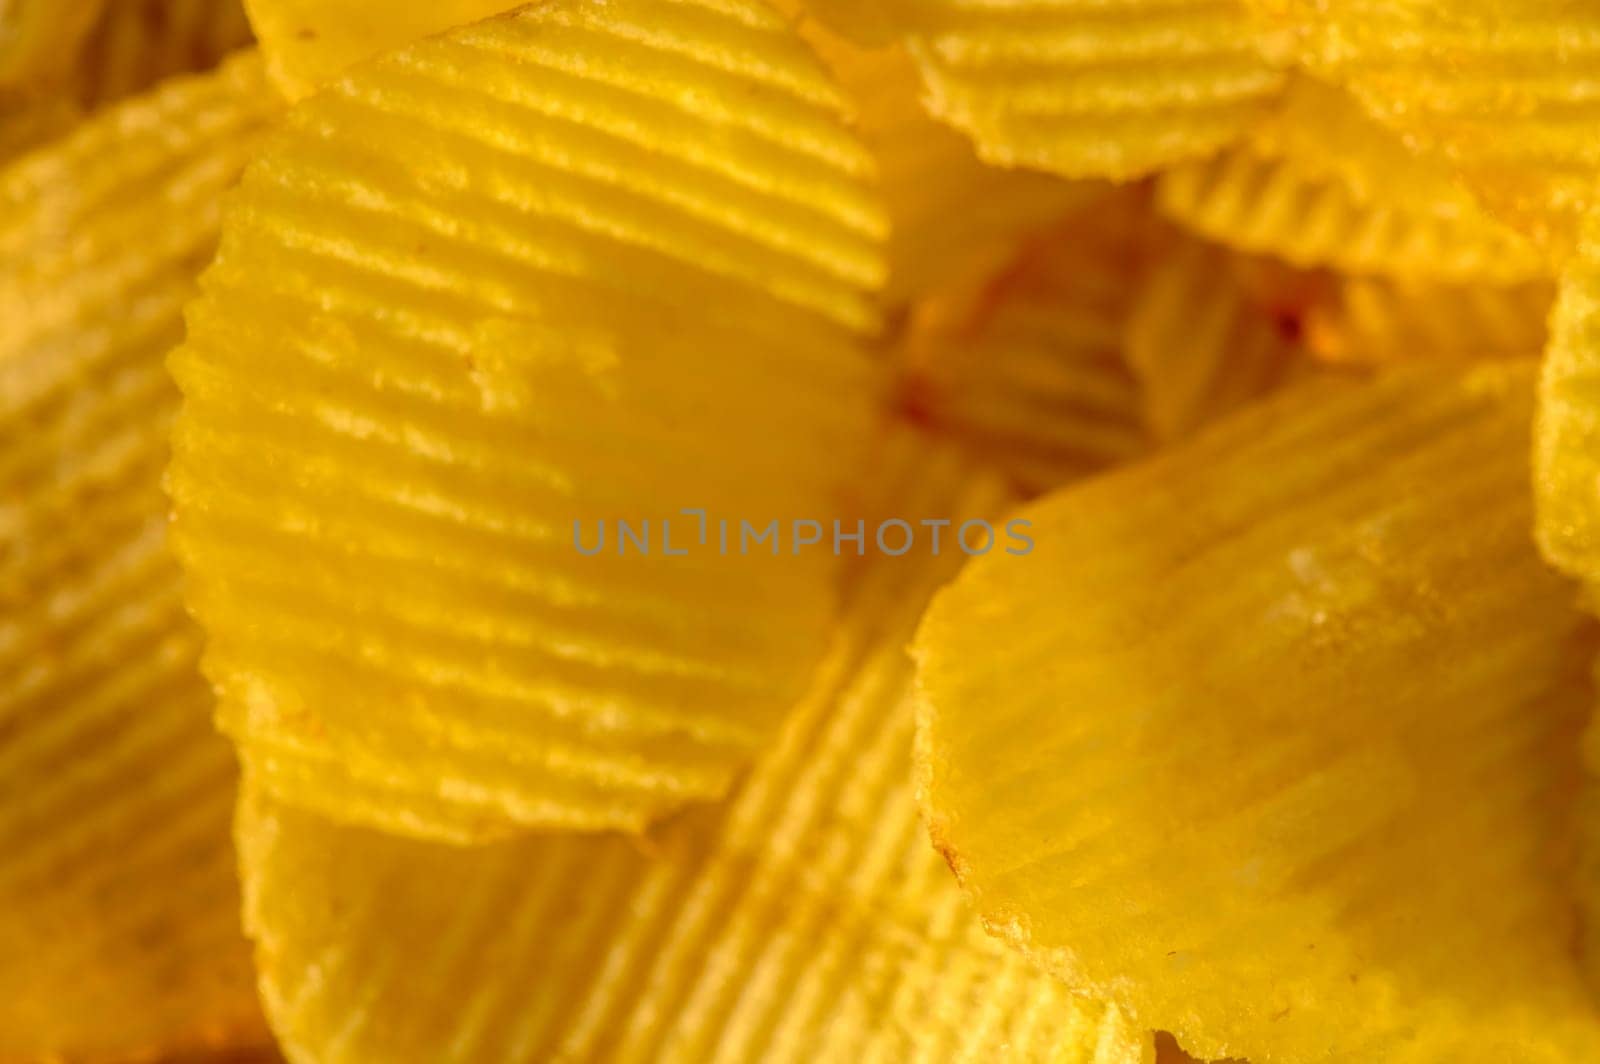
310	42
1503	89
1566	459
476	304
1272	741
119	903
804	920
1210	331
1092	88
127	47
951	216
1382	320
1272	206
135	44
1025	366
1333	137
36	36
1321	183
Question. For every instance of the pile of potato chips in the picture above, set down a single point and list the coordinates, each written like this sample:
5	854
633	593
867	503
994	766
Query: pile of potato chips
331	330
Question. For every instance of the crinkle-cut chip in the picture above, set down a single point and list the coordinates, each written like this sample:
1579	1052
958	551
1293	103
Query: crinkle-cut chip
38	36
1273	206
136	44
1320	182
1566	458
1313	661
1091	88
129	48
308	43
951	216
585	263
1504	89
1211	331
1025	366
1332	137
119	903
1381	320
805	919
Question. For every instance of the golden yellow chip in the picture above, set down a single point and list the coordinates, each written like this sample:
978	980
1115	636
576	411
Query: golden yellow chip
804	920
1322	184
38	36
1272	206
127	47
310	42
1025	366
135	44
1566	460
1503	89
1211	331
951	216
1379	320
119	929
518	406
1332	138
1273	740
1091	88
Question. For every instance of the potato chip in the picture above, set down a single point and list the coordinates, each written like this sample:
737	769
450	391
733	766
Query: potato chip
804	920
1566	457
1272	741
1211	331
1333	138
1091	88
477	307
1025	367
948	211
119	928
128	48
1321	183
310	42
35	35
951	216
1272	206
1504	89
135	44
1379	320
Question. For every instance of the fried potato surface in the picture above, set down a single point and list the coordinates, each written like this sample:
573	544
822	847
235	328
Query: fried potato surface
35	35
476	305
1375	321
805	919
309	43
136	44
1504	90
1566	459
1321	183
1091	88
952	217
119	901
1210	331
1025	366
1272	742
